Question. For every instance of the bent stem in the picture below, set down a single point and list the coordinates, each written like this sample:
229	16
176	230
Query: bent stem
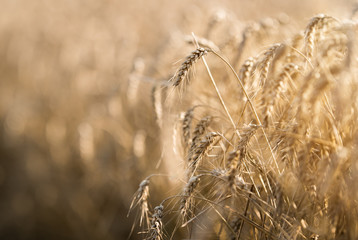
251	106
217	89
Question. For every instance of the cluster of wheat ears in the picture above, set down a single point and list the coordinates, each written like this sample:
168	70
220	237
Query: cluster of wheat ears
268	145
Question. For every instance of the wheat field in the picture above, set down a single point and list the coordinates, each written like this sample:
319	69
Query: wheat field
178	119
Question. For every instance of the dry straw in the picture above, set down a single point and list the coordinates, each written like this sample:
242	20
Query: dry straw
278	162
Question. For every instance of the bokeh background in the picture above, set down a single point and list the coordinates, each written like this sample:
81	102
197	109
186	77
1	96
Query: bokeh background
77	133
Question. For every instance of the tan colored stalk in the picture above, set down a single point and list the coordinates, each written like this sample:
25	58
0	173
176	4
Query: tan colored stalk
251	106
217	90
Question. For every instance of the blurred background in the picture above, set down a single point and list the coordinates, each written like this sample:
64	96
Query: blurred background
77	129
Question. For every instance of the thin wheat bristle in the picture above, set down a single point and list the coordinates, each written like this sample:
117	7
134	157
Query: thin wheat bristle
188	64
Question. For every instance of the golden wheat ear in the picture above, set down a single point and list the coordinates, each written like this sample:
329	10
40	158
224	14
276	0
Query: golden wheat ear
141	199
186	126
314	30
190	60
187	202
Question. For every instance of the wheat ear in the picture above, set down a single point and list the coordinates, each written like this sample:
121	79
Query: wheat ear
156	229
186	202
188	64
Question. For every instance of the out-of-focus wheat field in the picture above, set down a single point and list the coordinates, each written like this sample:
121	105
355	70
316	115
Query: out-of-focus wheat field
78	127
